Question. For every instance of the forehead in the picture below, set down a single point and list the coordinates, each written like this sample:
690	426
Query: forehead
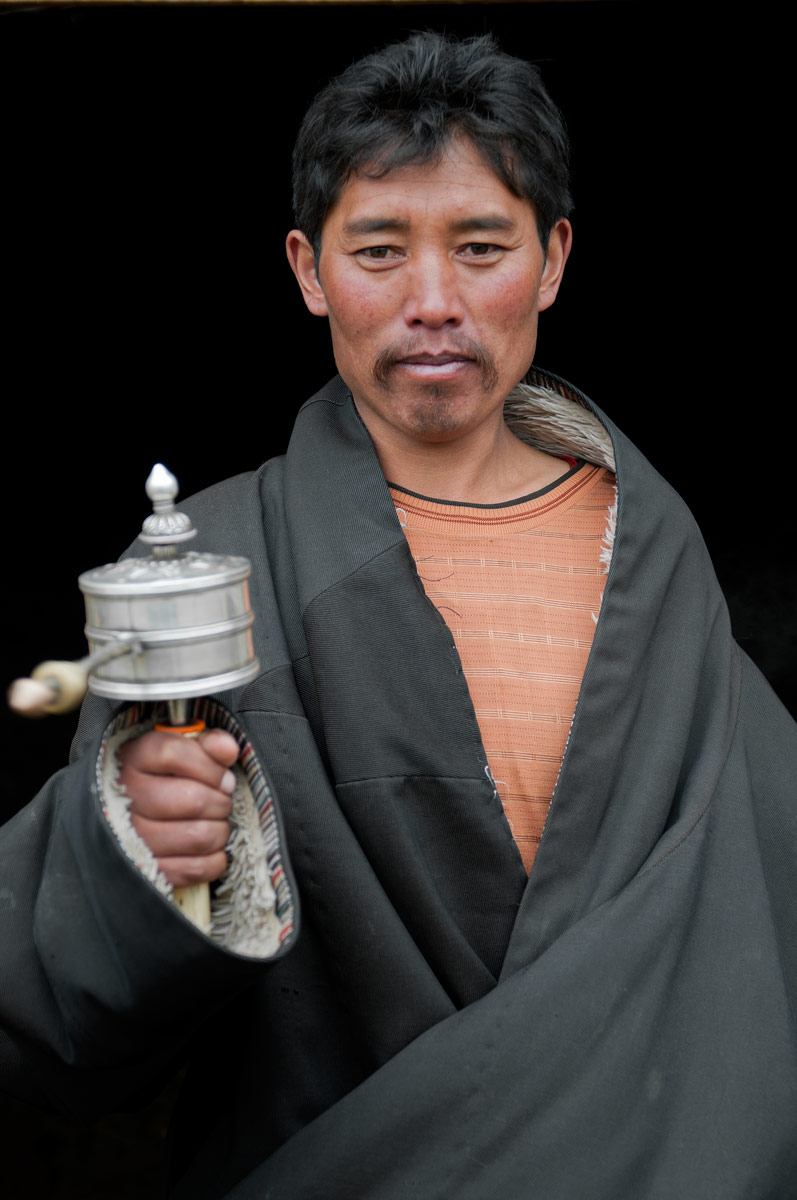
458	187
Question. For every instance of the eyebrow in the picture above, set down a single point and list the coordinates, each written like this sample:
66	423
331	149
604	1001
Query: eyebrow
376	225
490	221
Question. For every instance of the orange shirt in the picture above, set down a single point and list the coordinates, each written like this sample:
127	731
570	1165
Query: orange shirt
519	586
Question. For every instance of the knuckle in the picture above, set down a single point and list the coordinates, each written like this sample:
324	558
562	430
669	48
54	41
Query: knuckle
135	787
139	824
195	840
202	868
171	751
189	798
194	870
205	837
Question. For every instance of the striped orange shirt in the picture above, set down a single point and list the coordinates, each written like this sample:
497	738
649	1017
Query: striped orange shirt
519	586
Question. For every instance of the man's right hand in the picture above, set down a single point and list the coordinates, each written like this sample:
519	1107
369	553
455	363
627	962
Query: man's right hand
180	799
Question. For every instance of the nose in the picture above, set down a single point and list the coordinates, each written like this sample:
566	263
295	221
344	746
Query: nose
432	296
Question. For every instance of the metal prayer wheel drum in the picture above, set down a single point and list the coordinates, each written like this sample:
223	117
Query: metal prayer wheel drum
173	625
167	627
187	621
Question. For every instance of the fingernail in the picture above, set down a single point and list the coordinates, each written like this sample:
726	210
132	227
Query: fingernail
228	782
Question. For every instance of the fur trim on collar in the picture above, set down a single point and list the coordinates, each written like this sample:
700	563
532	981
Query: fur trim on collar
551	422
559	424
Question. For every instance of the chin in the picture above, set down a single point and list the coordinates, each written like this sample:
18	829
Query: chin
438	418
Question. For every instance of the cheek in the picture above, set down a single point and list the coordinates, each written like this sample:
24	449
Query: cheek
509	306
518	303
357	316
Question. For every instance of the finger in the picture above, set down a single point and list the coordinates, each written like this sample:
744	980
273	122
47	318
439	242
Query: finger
172	839
185	871
169	798
171	754
220	745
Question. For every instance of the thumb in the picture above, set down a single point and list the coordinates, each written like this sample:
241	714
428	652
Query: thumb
220	745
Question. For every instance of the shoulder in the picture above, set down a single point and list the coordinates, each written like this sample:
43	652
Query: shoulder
227	509
236	492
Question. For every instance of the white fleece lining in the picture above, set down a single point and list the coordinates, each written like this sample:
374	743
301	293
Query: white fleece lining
246	916
607	541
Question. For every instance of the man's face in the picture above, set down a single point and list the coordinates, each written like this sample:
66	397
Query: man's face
432	278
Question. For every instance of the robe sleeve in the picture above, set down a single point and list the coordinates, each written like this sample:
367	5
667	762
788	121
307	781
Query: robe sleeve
104	984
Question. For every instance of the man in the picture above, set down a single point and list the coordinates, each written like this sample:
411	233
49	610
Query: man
456	1012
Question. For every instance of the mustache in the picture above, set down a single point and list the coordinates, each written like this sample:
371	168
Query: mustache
386	360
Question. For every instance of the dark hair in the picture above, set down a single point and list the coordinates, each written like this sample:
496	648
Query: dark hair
406	103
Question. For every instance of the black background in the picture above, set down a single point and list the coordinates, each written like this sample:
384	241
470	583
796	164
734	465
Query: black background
150	313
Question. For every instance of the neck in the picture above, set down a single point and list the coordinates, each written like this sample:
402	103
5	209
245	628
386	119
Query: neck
489	467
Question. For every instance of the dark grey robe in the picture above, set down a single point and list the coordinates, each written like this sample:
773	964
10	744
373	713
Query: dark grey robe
620	1025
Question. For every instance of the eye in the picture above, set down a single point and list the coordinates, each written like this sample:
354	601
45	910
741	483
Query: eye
378	253
480	249
379	258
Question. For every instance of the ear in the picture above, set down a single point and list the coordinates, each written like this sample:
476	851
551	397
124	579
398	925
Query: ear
559	244
302	260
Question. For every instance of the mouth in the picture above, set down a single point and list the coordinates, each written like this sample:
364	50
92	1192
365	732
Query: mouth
438	366
434	366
